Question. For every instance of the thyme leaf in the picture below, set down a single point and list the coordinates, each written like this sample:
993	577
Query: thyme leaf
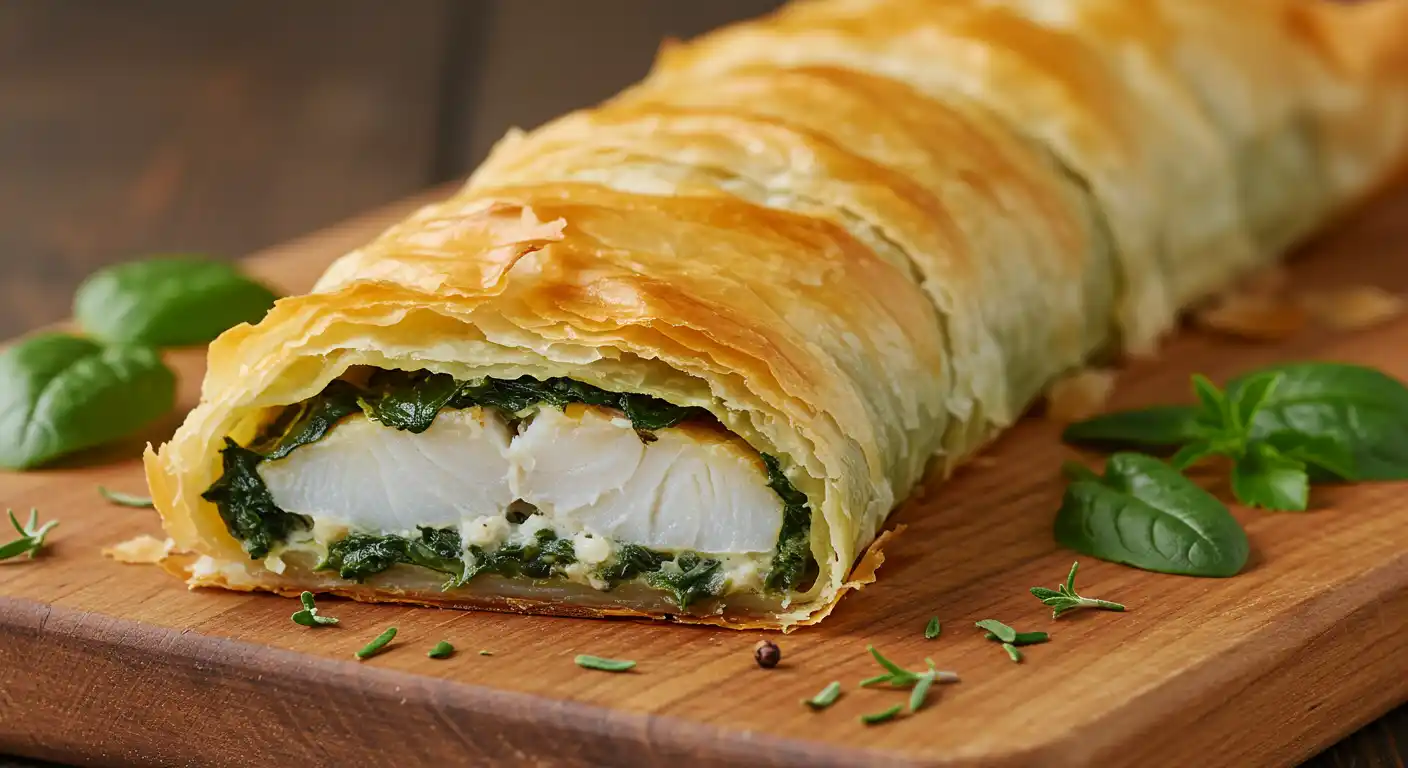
1064	598
31	539
377	644
826	697
309	617
126	499
604	665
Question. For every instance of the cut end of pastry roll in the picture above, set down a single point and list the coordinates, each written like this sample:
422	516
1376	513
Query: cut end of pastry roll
511	493
667	506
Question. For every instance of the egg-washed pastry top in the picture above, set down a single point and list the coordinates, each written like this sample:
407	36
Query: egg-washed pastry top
680	355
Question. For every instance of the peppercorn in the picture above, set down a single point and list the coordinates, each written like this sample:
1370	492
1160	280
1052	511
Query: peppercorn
767	654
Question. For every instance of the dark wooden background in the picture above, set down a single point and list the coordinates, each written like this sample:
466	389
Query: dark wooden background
223	126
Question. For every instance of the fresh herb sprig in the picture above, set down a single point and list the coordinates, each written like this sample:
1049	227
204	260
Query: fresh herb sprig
899	677
31	538
309	617
1064	598
126	499
1282	427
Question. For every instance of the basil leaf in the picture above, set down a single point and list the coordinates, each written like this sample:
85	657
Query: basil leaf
1145	514
1263	477
168	302
1325	459
1159	427
60	394
1363	412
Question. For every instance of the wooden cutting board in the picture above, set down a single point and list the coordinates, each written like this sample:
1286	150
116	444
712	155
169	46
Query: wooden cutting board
104	663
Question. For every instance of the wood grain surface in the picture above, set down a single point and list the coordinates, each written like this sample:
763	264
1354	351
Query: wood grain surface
104	663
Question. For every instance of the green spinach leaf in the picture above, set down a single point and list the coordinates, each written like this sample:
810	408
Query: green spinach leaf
630	561
60	394
1146	514
794	548
168	302
689	578
358	556
247	506
309	421
410	406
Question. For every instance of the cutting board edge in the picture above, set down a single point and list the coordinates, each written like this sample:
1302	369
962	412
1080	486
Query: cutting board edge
152	657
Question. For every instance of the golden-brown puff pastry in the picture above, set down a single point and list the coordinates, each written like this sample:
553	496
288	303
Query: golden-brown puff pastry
857	236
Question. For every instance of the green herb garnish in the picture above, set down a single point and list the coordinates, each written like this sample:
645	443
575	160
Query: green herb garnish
921	689
1003	632
1023	638
442	650
880	717
605	665
1282	427
899	677
309	617
932	629
1063	598
31	539
1146	514
826	697
168	301
126	499
377	644
60	394
1012	652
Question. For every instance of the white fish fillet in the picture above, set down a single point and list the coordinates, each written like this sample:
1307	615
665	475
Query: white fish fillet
585	469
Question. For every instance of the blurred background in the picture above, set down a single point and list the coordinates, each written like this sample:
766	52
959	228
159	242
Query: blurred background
224	126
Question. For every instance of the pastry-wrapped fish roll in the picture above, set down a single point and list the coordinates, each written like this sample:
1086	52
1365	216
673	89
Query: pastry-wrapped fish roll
682	354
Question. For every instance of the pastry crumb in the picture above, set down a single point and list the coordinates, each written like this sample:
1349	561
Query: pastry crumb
141	550
1252	316
1079	395
1354	308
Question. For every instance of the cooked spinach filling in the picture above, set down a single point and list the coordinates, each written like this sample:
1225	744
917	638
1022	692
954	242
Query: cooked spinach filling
410	401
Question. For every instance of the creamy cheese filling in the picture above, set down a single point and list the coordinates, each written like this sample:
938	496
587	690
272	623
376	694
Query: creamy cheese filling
581	473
